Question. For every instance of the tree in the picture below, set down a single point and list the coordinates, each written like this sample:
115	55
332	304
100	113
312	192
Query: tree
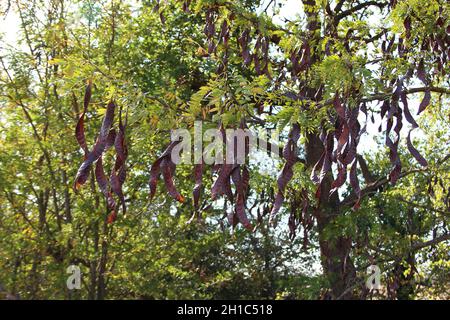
330	66
160	65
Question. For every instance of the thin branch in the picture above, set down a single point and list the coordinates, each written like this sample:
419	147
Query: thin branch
385	96
368	177
268	5
421	245
30	120
358	7
339	6
373	97
414	204
373	187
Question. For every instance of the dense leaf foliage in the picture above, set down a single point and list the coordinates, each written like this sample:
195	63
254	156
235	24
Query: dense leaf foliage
357	91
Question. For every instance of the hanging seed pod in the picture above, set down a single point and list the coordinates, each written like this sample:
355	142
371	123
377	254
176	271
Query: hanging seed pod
106	139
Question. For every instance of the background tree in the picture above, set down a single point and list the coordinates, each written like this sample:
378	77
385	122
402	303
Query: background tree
314	78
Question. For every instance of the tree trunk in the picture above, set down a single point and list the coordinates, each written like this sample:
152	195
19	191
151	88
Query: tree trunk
335	252
101	283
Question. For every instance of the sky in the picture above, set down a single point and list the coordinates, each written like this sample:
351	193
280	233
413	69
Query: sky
9	27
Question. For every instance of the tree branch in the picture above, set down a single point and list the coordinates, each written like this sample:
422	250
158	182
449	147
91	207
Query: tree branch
421	206
373	187
365	169
421	245
385	96
358	7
